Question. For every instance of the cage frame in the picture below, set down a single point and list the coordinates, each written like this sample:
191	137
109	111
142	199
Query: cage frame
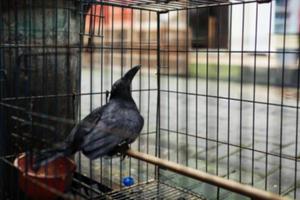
163	11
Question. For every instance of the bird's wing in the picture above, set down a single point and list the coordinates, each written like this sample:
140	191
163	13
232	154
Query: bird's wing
83	128
117	124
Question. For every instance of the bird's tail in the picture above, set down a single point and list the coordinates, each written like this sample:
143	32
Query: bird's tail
49	155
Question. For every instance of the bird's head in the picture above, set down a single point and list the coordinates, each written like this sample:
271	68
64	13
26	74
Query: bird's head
122	87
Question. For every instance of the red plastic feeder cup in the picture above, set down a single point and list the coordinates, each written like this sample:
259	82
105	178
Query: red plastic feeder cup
49	181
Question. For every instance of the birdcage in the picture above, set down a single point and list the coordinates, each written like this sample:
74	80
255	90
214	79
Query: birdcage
218	90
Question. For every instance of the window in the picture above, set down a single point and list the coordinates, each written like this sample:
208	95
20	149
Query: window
209	27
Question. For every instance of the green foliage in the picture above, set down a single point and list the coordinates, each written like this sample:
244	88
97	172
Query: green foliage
213	71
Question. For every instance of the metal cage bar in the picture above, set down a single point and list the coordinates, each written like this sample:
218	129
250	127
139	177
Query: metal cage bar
218	90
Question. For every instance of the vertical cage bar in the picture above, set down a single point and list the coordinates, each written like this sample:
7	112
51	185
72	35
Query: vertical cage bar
282	94
101	34
268	98
206	100
254	97
241	94
44	62
112	77
68	57
157	143
3	134
196	96
81	45
91	66
229	93
177	86
17	67
100	29
297	121
168	83
148	96
55	58
186	88
218	95
27	65
196	106
131	63
122	68
139	104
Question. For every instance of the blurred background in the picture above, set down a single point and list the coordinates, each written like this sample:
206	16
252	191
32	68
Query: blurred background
229	86
218	87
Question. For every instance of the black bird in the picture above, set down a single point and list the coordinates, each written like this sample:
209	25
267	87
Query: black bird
106	131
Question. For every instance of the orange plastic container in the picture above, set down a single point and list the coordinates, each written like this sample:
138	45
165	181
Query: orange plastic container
44	183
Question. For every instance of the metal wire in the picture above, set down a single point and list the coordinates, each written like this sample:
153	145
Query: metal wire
214	100
154	190
170	5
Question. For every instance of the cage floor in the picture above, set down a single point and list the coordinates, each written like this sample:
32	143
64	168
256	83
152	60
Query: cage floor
154	190
90	189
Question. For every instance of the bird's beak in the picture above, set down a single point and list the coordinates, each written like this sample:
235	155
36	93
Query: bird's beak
131	73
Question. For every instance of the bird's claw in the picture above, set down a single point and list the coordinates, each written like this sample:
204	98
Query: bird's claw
122	149
123	156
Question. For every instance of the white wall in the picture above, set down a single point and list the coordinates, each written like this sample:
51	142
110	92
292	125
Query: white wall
250	31
293	22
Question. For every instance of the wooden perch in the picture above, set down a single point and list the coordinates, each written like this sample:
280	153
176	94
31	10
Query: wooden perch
240	188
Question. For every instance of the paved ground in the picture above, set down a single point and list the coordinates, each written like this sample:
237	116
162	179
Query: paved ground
205	120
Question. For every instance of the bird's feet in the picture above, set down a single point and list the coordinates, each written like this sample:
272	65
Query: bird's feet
122	149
